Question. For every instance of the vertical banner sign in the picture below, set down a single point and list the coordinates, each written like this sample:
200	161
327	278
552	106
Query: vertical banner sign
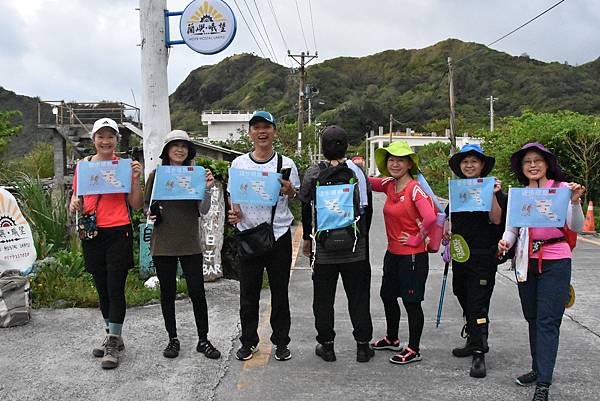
104	177
471	194
146	264
17	250
207	26
212	226
538	207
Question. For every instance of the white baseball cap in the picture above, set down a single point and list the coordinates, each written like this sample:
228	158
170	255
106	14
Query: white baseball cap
105	122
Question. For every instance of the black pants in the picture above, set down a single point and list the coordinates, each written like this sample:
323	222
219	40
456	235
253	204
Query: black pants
356	277
108	258
473	284
110	286
404	276
166	271
278	263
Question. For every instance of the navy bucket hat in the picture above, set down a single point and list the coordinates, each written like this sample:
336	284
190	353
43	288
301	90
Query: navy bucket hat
471	149
554	171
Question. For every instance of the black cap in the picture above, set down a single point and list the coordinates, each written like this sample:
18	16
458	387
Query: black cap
334	142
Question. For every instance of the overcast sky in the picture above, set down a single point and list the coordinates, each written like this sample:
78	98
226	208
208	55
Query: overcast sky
86	50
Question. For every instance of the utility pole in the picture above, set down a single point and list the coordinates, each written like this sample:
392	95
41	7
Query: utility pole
492	99
391	118
156	121
452	111
302	59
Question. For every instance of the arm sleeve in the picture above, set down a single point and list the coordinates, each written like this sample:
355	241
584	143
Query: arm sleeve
575	217
376	184
306	220
148	191
510	235
427	214
204	206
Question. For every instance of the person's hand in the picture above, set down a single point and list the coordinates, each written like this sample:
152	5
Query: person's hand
287	188
136	169
447	235
210	180
576	191
497	185
306	247
234	216
75	204
503	246
150	218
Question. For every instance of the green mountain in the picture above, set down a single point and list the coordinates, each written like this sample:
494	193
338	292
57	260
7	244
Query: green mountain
361	93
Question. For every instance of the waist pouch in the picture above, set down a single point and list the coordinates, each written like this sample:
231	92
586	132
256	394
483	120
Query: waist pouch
255	241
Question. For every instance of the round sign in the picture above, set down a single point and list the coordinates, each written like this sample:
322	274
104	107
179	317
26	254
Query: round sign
459	249
207	26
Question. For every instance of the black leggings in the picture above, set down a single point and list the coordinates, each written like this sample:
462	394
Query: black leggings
111	291
166	271
416	320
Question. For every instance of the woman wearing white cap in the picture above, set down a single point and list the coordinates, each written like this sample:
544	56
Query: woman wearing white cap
109	255
176	237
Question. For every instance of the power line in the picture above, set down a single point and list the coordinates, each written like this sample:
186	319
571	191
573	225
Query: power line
265	29
511	32
301	27
277	23
313	25
248	26
258	29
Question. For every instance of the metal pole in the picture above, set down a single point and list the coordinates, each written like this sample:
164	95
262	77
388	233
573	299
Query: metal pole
452	111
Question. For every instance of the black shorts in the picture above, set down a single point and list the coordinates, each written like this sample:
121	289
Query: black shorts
111	250
404	276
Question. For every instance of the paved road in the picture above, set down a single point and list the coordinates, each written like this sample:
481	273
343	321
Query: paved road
50	358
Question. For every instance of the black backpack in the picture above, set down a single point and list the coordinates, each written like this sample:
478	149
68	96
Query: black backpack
343	238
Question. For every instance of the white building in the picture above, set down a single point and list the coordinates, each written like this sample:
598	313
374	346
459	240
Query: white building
226	125
415	140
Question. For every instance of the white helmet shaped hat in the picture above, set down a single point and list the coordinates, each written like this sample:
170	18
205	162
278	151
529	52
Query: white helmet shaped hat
178	135
105	122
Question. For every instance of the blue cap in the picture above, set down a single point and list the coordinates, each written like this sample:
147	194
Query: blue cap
262	116
471	149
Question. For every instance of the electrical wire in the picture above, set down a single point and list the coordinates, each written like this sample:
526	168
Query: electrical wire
248	26
265	29
277	23
258	29
312	25
511	32
301	26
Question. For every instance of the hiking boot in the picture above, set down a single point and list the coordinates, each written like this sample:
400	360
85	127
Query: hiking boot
364	353
478	365
528	379
282	353
326	352
407	355
541	392
99	352
172	349
110	360
246	352
209	351
467	350
385	343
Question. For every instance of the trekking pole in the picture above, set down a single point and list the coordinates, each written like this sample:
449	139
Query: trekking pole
446	257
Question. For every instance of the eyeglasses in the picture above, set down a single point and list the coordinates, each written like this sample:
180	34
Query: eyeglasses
532	161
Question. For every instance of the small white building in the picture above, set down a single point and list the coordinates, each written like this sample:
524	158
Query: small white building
226	125
415	140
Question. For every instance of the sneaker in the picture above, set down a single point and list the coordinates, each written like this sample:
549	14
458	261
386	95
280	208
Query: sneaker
528	379
326	352
282	353
541	392
172	349
246	352
385	343
407	355
478	365
209	351
99	352
364	353
110	360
